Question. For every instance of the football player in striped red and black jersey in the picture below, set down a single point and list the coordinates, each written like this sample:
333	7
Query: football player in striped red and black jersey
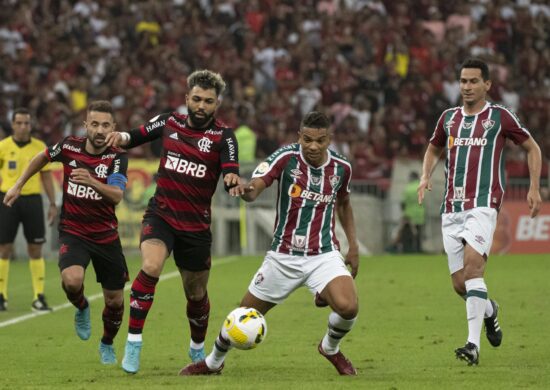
474	136
94	181
313	186
196	149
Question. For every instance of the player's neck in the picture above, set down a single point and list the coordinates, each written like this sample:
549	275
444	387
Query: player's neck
191	125
89	148
475	108
21	139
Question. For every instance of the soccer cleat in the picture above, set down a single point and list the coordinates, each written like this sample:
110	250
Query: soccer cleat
82	323
320	302
469	353
339	361
196	355
199	368
40	304
107	353
3	303
130	362
492	327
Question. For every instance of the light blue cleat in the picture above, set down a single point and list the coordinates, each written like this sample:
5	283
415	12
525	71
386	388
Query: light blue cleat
130	362
196	355
82	323
107	353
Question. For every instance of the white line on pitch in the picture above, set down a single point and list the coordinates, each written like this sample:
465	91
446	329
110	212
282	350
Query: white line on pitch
94	297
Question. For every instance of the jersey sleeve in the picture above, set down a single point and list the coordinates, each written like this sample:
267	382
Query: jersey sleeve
345	189
272	168
148	132
54	153
439	136
229	153
512	128
118	172
41	146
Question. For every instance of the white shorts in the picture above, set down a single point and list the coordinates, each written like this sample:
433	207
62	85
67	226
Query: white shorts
475	226
280	274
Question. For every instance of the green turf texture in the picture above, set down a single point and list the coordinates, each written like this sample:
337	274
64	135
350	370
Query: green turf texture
409	324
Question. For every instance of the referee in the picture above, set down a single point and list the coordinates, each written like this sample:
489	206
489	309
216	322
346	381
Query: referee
16	152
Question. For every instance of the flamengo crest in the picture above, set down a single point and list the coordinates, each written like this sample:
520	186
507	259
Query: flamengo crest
487	124
204	144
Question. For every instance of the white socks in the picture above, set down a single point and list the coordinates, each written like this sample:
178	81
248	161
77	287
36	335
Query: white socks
338	327
476	307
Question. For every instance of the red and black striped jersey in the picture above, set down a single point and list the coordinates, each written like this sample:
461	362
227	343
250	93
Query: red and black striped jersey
190	165
474	169
84	212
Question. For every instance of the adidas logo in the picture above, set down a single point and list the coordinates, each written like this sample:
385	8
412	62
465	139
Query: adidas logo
73	163
173	136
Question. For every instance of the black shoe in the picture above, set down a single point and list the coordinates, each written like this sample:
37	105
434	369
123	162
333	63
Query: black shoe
492	327
40	304
469	353
3	303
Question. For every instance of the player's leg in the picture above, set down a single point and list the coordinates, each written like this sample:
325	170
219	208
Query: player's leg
8	230
32	216
157	240
270	286
192	256
332	280
111	271
74	257
479	226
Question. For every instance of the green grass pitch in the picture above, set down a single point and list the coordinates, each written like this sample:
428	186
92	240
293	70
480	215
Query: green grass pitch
409	323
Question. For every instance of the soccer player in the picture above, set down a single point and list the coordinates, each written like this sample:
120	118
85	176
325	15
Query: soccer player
15	154
196	149
93	184
474	136
313	187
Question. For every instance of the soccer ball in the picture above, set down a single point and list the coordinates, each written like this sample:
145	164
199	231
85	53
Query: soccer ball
245	328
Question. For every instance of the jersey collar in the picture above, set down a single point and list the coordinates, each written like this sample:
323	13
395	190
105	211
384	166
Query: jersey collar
311	166
485	107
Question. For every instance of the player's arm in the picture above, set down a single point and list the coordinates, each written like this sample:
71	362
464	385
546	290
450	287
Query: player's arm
140	135
37	163
47	183
229	160
113	190
345	215
249	191
431	158
534	161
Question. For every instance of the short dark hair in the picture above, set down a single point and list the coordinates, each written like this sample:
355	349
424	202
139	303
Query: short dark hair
315	120
476	63
20	110
101	106
206	79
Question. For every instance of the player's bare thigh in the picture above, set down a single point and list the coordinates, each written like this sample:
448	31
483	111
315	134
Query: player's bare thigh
262	306
474	267
153	255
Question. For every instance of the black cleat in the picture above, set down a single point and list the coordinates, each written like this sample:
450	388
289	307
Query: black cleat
492	327
469	353
3	303
40	304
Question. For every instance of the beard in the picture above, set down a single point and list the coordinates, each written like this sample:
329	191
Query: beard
199	121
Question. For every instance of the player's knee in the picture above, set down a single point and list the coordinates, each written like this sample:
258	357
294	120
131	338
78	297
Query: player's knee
346	309
114	302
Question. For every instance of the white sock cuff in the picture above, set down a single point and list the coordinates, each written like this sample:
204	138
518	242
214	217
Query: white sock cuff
336	321
476	284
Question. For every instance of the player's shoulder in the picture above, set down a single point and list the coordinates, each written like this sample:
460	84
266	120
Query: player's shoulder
502	108
6	141
36	142
451	110
338	157
287	150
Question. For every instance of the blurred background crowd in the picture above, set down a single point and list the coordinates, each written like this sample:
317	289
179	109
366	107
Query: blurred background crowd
383	69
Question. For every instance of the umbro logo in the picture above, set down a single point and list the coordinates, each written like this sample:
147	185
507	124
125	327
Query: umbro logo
73	163
173	136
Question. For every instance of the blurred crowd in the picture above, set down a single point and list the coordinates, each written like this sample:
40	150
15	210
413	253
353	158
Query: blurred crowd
383	69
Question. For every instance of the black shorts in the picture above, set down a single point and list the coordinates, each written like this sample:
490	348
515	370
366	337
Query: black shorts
191	249
28	210
107	259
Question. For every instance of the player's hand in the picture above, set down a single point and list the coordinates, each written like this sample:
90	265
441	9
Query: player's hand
352	259
114	139
241	189
11	196
52	212
232	179
81	176
534	201
425	184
